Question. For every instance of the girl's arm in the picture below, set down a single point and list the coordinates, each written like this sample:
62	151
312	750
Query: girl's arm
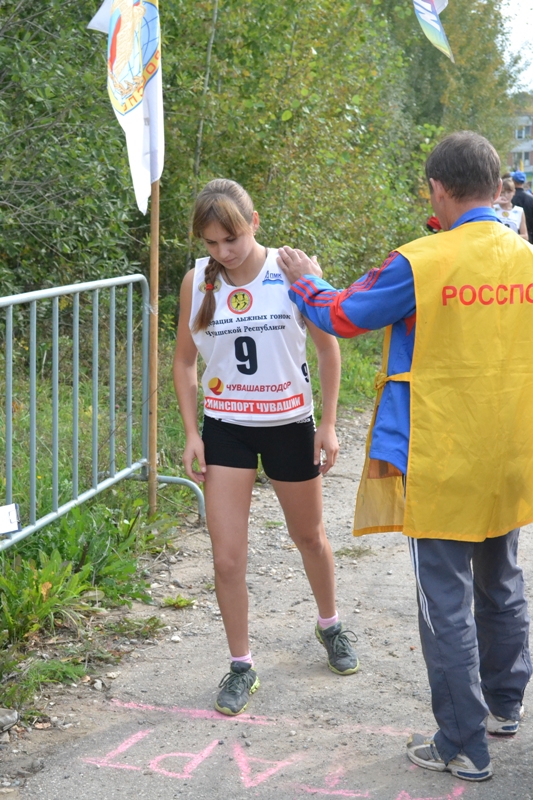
523	227
329	369
186	384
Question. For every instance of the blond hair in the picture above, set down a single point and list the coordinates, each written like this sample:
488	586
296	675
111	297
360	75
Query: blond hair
227	203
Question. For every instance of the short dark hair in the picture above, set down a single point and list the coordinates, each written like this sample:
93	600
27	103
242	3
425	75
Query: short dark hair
466	164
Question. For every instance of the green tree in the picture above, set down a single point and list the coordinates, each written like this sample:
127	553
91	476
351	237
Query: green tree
475	91
65	200
305	108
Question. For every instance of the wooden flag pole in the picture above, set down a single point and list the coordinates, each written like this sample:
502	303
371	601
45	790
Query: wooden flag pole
154	350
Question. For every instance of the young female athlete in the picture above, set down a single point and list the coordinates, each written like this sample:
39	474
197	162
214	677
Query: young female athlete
511	216
236	312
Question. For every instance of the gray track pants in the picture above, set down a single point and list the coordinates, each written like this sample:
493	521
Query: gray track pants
460	646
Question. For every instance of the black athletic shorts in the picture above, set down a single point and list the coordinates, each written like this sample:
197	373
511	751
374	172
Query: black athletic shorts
287	451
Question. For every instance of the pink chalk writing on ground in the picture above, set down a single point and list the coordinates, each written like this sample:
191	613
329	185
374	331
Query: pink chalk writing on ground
244	763
334	778
195	759
457	792
194	713
107	761
204	713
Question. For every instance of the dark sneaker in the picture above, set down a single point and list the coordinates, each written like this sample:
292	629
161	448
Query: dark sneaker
422	751
342	658
499	726
236	687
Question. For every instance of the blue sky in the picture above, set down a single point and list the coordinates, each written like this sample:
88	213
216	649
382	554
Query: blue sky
519	14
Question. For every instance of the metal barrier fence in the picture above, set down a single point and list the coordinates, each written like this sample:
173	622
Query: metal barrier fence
137	469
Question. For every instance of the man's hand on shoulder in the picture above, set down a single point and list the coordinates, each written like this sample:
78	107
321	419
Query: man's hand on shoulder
295	264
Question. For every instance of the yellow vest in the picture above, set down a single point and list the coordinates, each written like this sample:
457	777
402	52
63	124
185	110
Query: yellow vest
470	468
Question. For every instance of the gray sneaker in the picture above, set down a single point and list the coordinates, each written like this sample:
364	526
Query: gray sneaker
236	687
499	726
423	751
342	658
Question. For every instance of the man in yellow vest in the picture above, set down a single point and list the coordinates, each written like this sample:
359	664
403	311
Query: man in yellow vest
450	450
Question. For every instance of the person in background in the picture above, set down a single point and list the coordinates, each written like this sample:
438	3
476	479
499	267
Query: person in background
524	200
513	217
450	450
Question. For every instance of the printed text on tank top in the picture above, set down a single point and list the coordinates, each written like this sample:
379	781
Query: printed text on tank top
254	349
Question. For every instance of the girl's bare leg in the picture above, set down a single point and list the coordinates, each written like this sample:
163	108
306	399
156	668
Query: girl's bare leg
302	505
228	494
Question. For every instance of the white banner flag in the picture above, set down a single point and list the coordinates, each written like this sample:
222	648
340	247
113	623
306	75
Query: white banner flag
135	85
427	13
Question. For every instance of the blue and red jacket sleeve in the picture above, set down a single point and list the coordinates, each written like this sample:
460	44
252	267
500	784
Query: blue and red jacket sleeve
381	297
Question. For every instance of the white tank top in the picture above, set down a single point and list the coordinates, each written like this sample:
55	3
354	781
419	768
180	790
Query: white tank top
511	217
254	350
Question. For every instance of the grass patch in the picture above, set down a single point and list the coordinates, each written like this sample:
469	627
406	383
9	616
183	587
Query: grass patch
360	361
353	551
178	602
52	671
22	678
130	628
40	595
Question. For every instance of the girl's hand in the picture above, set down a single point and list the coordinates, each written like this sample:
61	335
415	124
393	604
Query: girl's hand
326	439
194	450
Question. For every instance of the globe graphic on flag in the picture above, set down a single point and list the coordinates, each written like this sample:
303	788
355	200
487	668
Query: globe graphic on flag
149	34
133	52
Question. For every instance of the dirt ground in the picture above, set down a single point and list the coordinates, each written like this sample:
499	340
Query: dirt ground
153	732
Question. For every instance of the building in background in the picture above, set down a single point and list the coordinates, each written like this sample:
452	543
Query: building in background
521	155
